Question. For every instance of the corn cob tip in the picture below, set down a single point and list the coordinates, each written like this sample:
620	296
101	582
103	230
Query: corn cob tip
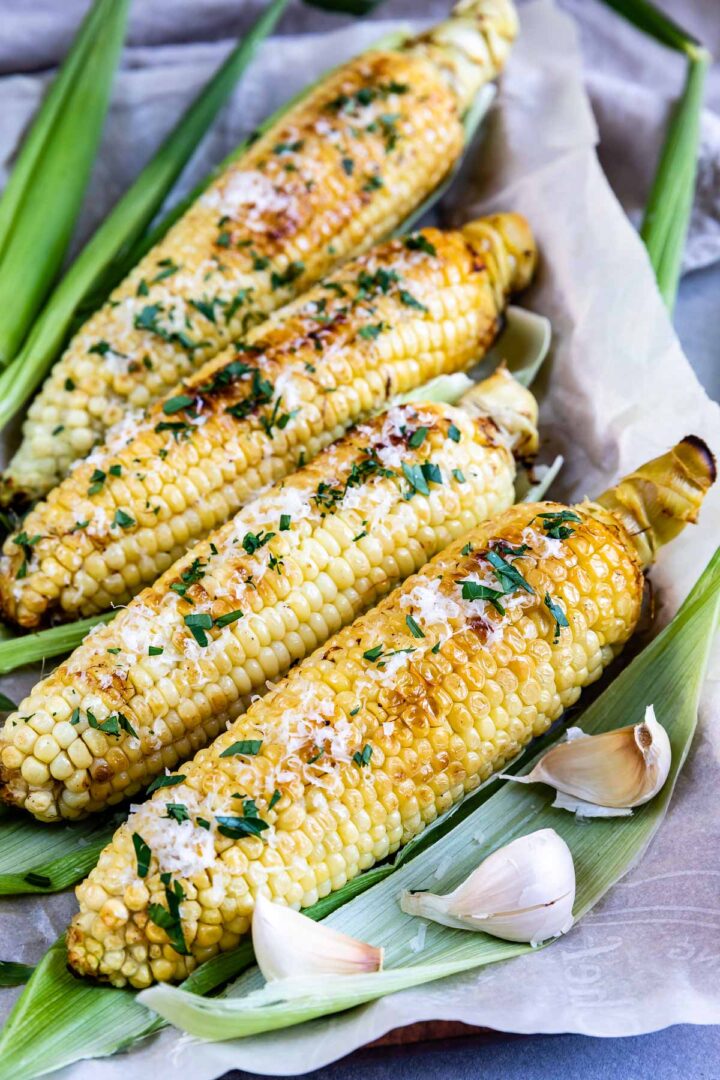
471	47
507	238
655	502
504	401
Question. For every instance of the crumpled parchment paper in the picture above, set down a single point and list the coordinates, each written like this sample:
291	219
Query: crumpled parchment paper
616	391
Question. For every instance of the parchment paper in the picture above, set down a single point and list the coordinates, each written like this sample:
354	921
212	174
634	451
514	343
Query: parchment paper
617	391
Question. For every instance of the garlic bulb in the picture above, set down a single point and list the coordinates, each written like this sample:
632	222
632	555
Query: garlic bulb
522	892
288	944
606	775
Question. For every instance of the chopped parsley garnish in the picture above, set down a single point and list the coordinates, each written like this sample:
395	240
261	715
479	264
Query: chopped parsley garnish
69	385
252	542
249	747
420	243
165	781
155	650
168	267
409	300
293	271
177	404
288	148
508	575
194	573
554	524
143	854
558	615
96	482
168	919
261	392
373	654
197	624
363	757
123	520
228	617
285	522
101	348
418	437
206	308
467	549
348	166
276	796
459	475
369	333
177	811
413	627
248	825
25	543
115	470
176	427
112	726
420	476
454	433
373	183
472	591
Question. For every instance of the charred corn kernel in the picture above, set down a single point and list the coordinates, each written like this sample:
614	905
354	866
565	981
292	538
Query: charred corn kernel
540	588
339	171
180	661
328	359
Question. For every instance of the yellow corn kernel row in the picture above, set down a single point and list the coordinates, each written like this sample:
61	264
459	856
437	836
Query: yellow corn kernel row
370	738
341	170
179	663
383	324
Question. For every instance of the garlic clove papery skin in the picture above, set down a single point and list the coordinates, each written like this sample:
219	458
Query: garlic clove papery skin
613	772
289	944
522	892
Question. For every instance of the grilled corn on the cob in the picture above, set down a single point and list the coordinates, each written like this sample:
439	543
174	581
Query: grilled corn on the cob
341	170
293	567
383	728
383	324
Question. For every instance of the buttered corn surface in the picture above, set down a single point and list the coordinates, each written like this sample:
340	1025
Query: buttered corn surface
363	744
383	727
385	323
293	567
342	169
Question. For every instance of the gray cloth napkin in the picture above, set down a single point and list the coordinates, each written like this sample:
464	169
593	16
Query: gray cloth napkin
174	44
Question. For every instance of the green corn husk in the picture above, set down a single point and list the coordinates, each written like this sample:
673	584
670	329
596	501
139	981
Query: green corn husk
113	249
669	673
55	176
32	146
667	214
60	1019
24	649
12	974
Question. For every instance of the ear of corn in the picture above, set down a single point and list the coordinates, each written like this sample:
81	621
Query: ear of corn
182	660
385	323
340	170
368	739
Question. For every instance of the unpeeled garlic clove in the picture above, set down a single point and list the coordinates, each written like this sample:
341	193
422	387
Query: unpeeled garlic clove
522	892
288	944
606	775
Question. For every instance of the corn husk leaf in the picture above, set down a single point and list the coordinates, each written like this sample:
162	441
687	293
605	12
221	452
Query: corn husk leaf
88	1020
104	260
44	217
667	215
669	672
12	974
16	651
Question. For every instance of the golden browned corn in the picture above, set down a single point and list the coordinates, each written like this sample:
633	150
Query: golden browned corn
383	324
341	170
379	731
291	569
